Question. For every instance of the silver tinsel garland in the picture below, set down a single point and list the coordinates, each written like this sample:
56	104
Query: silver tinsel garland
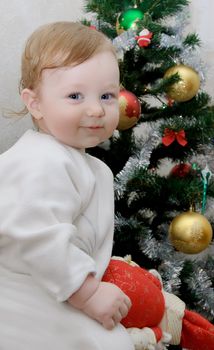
170	271
153	248
188	55
124	42
138	161
120	222
203	290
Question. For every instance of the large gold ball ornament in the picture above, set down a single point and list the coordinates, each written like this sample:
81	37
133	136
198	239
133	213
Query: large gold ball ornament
130	110
190	232
187	87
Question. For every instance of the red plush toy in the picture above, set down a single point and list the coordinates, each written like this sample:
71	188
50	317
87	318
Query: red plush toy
155	310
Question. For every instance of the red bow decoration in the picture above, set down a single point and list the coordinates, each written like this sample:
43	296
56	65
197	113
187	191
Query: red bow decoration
144	39
170	136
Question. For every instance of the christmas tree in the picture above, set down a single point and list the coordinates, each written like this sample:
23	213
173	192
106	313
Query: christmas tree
163	220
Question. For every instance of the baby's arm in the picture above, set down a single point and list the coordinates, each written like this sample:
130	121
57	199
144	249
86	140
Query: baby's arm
102	301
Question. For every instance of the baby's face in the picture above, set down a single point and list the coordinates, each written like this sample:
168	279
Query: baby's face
79	104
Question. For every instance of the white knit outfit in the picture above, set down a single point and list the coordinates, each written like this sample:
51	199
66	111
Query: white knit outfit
56	226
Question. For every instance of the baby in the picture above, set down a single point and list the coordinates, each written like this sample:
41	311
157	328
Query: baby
57	205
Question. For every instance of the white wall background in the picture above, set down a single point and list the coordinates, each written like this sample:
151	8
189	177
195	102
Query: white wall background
20	17
201	12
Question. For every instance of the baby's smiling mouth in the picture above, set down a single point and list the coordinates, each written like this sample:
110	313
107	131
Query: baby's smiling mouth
95	127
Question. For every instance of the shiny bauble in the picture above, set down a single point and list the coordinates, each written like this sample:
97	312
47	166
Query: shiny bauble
130	110
128	19
190	232
187	87
119	30
181	170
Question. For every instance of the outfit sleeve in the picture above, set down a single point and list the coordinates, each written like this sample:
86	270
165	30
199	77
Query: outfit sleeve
39	218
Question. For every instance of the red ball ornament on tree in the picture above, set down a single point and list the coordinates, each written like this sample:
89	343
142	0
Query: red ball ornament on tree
181	170
130	110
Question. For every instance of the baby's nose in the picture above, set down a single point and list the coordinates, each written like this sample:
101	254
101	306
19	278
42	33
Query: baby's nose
95	109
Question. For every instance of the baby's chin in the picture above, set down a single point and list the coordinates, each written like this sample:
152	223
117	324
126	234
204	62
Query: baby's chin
94	143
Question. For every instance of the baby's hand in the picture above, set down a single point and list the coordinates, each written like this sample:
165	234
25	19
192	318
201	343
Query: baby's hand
108	305
102	301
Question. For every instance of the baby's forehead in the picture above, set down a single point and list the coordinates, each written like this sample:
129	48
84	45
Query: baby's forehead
54	73
99	68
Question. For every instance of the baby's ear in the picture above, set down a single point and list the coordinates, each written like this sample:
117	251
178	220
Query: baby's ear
31	101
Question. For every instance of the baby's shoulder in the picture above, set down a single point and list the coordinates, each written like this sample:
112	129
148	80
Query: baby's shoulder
34	152
33	146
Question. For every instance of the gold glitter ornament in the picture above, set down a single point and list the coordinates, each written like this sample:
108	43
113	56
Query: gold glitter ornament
190	232
187	87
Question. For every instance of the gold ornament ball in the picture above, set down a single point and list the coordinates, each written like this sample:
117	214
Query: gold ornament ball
187	87
190	232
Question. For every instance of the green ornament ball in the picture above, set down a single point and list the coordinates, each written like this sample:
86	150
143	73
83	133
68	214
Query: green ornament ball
129	18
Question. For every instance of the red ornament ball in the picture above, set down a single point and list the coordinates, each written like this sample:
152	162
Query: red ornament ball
130	110
181	170
142	288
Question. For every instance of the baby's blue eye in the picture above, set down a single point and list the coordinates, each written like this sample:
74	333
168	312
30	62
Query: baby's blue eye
75	96
107	96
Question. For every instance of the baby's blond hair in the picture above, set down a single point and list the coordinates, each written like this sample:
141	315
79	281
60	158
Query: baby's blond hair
57	45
